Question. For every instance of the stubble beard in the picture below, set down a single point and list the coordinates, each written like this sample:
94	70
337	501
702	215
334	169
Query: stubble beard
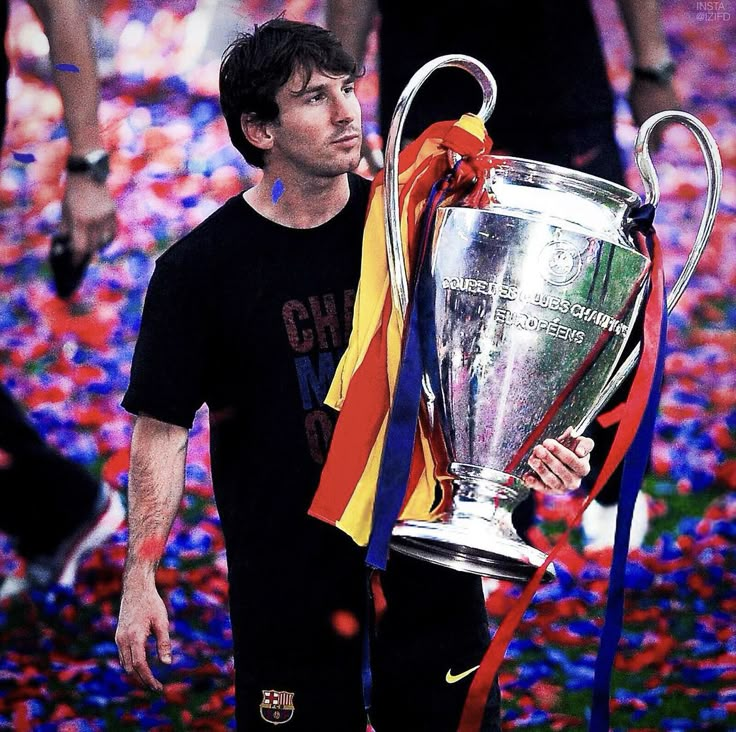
338	168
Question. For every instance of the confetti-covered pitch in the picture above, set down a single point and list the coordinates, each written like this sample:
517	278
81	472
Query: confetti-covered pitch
172	164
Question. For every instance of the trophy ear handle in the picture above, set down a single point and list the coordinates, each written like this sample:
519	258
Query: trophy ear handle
714	171
396	265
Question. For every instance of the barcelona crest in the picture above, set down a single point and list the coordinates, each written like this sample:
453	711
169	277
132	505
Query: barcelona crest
277	707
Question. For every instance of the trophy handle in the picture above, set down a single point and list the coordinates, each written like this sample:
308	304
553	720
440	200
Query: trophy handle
395	250
714	172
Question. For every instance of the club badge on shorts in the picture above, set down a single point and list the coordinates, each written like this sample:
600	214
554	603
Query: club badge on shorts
277	707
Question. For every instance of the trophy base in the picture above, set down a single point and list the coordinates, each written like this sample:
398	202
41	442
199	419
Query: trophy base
476	535
504	559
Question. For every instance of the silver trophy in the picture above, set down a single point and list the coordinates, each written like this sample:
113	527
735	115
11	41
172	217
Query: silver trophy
532	301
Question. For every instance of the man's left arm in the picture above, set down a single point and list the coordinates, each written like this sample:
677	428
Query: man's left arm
88	211
653	69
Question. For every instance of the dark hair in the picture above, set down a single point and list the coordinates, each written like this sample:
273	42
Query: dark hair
256	65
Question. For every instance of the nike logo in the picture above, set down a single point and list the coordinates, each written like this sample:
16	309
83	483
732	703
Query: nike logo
452	679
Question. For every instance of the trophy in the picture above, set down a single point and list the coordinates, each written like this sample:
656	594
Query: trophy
532	299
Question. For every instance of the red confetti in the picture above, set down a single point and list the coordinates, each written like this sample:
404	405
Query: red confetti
345	623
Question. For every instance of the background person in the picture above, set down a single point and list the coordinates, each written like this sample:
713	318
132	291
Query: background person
555	105
54	509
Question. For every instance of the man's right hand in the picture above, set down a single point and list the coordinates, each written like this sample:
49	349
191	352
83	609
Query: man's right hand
647	98
155	487
142	612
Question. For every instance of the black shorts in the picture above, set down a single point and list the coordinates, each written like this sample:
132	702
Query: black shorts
297	666
326	701
589	146
426	647
435	628
426	692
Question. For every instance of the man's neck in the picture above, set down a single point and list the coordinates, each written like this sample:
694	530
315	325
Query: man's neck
299	204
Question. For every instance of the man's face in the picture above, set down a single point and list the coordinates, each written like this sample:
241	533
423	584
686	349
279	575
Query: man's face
318	131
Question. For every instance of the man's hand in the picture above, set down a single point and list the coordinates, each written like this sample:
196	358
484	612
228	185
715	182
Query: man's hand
559	465
142	612
88	212
647	98
155	486
88	215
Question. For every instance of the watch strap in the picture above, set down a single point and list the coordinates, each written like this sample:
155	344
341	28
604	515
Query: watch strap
78	164
95	163
661	74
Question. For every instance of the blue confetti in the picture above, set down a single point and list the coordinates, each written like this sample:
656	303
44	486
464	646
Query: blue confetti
676	724
724	528
277	190
22	157
638	577
584	628
67	67
535	718
105	648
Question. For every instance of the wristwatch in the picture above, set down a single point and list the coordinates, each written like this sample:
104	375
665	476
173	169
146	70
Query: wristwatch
661	74
96	164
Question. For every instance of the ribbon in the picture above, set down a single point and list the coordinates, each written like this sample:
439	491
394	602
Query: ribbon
393	477
375	607
640	405
635	466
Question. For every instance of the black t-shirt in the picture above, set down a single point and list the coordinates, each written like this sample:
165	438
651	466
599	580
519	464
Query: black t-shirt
251	317
546	58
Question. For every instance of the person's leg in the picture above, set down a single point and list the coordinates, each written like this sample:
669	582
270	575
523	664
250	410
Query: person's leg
52	507
407	696
426	647
589	146
306	684
294	656
45	496
310	702
599	520
592	148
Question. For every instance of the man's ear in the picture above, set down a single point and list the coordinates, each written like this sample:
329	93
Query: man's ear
257	132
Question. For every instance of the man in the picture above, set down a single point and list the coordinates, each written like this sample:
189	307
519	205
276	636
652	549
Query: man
555	104
50	505
249	314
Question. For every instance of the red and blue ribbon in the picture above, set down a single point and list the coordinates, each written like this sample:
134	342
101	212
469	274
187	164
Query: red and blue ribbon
641	405
635	465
